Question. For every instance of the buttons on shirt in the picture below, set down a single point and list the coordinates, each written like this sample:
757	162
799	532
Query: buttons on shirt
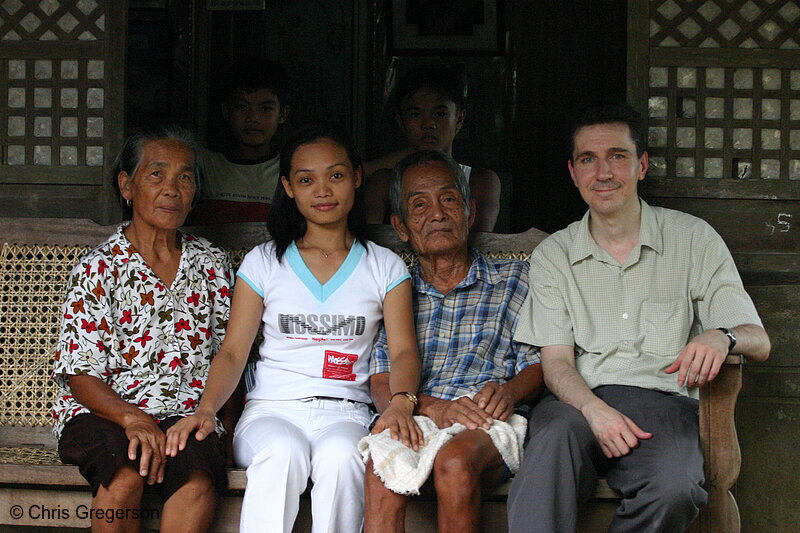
624	316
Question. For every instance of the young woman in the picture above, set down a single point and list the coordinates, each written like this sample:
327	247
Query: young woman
319	290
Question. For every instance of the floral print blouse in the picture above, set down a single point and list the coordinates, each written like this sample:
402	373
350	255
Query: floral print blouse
150	343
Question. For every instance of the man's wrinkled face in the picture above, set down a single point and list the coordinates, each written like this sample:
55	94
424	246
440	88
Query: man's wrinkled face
435	217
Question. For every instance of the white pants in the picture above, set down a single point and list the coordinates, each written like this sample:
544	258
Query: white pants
284	442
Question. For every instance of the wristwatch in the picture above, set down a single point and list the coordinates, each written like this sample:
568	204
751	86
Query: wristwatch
731	337
411	397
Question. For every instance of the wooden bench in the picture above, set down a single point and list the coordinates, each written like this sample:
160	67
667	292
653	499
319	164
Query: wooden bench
37	490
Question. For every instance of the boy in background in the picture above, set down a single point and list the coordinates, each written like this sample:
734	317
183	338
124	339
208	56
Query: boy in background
430	110
239	184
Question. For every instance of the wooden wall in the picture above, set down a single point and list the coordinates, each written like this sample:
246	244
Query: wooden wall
61	120
721	84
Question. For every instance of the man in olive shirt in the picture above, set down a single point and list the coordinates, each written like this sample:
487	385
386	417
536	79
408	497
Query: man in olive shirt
634	308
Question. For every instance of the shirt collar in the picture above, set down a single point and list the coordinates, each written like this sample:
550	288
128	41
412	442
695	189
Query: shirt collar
650	235
118	241
479	270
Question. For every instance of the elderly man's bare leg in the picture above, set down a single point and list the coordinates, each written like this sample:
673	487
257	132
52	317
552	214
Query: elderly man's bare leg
384	510
191	507
124	492
465	465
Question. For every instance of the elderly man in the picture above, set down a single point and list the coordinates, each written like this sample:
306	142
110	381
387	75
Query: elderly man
634	308
473	373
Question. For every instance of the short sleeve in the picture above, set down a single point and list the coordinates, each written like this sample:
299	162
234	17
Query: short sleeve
379	361
717	288
524	354
395	272
86	336
544	319
254	269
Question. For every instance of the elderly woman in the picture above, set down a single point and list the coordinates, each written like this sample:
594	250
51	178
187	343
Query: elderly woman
144	314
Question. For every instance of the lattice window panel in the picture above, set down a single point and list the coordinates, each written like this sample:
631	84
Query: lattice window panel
739	123
725	24
52	111
61	106
51	20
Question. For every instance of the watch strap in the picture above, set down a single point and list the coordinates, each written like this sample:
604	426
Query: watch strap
731	337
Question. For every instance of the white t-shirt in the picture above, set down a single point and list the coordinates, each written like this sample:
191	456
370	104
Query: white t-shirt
233	182
318	338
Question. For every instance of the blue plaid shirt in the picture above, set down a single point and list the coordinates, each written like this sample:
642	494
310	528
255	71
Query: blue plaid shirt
465	337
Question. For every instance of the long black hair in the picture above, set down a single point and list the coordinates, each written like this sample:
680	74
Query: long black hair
284	222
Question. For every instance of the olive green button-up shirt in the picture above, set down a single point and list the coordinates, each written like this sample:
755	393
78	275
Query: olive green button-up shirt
629	322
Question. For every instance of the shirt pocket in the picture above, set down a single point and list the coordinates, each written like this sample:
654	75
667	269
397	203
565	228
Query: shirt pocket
666	325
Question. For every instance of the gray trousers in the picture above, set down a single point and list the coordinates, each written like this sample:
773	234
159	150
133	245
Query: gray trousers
660	481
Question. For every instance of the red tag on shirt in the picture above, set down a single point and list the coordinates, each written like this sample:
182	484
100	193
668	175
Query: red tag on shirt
339	365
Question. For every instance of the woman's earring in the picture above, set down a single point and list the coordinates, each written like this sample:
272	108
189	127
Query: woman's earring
128	201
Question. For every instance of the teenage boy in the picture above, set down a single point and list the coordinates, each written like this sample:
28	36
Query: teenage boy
238	184
430	111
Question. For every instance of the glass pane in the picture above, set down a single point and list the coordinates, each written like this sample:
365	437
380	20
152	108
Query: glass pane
69	127
94	156
69	69
743	78
41	155
42	126
16	126
715	78
685	137
16	97
658	167
687	77
743	108
69	98
43	69
94	127
16	155
771	139
658	77
69	155
684	167
770	169
657	106
657	137
715	108
42	97
742	138
771	78
713	138
771	109
713	167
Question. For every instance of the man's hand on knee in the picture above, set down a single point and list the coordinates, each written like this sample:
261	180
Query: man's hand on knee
616	433
445	413
496	401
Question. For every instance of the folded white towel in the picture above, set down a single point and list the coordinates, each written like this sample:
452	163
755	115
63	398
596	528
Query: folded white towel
404	471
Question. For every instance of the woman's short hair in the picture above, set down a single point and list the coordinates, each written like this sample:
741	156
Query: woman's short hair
424	157
285	223
130	156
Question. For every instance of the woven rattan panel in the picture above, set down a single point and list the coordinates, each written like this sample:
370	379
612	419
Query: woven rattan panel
32	282
28	456
32	288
